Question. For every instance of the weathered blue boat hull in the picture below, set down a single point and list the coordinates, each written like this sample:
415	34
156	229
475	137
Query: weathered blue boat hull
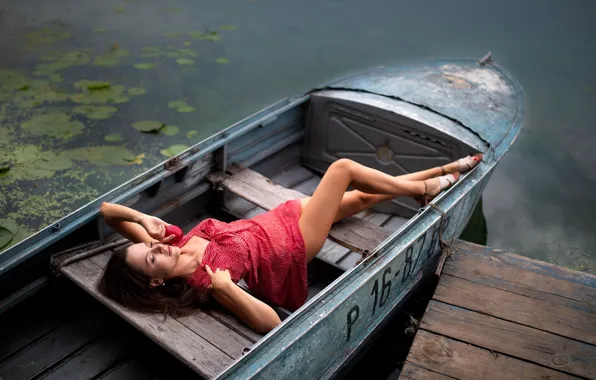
320	338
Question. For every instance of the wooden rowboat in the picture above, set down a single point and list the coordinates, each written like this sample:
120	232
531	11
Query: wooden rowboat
396	119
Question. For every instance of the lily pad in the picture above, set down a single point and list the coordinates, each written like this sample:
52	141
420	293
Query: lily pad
186	109
119	9
222	61
99	92
31	163
212	36
171	10
177	104
184	61
100	30
102	155
228	27
136	91
174	150
170	130
55	77
111	57
55	124
187	43
181	106
95	112
92	84
148	125
113	137
5	237
10	225
191	134
144	66
73	58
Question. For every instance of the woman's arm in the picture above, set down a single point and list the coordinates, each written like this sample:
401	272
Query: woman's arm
255	313
125	221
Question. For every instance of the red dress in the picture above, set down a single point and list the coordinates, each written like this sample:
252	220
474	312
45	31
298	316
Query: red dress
267	251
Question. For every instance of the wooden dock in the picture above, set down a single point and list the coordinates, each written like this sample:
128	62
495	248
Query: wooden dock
497	315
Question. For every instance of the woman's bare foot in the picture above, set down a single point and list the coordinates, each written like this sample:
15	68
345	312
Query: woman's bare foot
433	186
463	164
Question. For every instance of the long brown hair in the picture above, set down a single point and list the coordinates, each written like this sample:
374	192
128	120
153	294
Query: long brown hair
131	289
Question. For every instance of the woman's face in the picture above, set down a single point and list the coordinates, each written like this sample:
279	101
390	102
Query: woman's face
154	259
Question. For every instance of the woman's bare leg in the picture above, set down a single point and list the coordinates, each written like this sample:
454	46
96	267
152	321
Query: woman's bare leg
322	208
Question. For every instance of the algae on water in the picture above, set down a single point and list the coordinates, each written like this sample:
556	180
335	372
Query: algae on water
111	57
55	124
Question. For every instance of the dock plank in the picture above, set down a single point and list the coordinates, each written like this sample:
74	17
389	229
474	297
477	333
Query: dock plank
411	372
527	263
495	273
511	339
464	361
196	352
516	308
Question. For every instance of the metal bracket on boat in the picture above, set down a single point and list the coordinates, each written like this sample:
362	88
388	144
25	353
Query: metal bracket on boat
445	247
488	57
221	158
172	163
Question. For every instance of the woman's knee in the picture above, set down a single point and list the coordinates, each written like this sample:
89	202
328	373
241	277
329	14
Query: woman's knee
343	164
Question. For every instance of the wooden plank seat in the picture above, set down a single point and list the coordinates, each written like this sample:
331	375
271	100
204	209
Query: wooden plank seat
354	233
207	341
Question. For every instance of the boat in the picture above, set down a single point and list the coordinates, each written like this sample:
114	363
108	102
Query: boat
397	119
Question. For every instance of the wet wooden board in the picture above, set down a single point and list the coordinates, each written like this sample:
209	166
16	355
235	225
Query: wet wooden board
352	233
500	315
197	351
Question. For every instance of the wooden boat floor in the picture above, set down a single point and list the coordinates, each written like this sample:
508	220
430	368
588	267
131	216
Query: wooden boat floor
209	341
497	315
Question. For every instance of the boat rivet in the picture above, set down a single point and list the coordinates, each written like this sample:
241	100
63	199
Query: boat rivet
56	227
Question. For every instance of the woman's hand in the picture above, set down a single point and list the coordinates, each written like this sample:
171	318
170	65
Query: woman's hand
220	279
156	228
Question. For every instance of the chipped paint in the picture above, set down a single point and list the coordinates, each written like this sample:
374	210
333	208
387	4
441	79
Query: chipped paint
485	78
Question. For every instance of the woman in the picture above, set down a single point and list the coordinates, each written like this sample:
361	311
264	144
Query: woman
270	251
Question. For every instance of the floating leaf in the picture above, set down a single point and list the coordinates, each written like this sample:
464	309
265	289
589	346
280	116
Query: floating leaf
92	84
170	130
172	34
100	30
213	36
222	61
113	137
191	134
170	10
144	66
153	55
151	49
111	57
174	150
95	112
30	163
119	9
187	43
51	161
136	91
10	225
73	58
177	104
56	124
228	27
55	77
102	155
5	237
138	159
147	125
46	36
184	61
186	109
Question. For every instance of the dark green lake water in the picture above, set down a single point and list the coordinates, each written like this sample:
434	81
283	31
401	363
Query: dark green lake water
540	202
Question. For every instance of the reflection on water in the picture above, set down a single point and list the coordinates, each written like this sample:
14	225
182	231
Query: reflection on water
166	64
476	230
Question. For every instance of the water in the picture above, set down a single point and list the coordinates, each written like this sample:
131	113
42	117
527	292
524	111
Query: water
541	199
